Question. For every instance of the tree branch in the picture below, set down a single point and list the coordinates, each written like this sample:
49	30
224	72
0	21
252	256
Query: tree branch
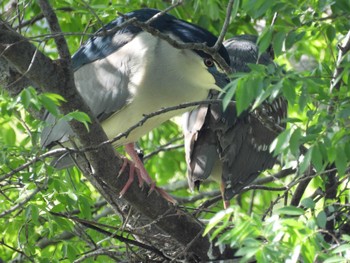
51	18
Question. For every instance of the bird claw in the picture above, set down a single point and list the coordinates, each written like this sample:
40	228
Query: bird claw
142	177
131	176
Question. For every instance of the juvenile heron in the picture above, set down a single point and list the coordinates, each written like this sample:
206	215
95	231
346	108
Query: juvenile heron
233	149
129	73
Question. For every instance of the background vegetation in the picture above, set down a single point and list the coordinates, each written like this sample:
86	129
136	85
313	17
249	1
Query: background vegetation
300	214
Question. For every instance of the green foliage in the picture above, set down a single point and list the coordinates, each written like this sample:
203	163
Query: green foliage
290	235
262	225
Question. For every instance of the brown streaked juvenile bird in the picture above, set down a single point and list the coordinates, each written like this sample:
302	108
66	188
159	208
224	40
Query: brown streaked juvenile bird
232	149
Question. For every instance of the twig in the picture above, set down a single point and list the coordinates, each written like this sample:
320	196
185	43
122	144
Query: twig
163	148
94	226
39	17
95	15
2	242
279	175
20	204
103	251
262	187
336	80
41	157
302	187
166	10
225	26
52	20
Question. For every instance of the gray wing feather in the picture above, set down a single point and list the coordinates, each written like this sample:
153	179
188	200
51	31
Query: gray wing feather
103	86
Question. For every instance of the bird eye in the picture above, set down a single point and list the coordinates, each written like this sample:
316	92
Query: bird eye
208	62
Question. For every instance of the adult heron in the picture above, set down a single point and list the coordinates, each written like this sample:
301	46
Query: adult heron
124	73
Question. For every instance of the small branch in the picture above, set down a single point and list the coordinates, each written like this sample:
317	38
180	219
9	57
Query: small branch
262	187
336	80
40	16
299	192
166	10
41	157
95	15
51	18
225	26
94	226
65	235
22	203
103	251
2	242
279	175
202	195
163	148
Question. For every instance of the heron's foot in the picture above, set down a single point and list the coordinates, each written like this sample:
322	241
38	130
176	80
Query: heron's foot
142	177
132	172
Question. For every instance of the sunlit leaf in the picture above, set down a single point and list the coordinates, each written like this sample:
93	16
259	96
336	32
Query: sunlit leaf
217	219
290	210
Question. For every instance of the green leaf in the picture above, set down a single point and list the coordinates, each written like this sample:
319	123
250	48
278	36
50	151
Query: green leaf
247	90
79	116
306	162
265	40
341	248
281	142
72	196
257	67
230	90
85	207
290	40
321	219
330	33
50	105
26	97
290	210
278	40
335	259
345	237
248	252
316	158
308	203
217	219
340	160
32	213
295	141
9	135
70	252
235	9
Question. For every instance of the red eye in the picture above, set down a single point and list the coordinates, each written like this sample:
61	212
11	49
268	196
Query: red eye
208	62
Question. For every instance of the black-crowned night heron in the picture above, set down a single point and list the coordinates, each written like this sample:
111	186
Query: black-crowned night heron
234	150
124	75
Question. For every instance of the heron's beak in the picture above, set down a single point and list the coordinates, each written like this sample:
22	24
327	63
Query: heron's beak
221	79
